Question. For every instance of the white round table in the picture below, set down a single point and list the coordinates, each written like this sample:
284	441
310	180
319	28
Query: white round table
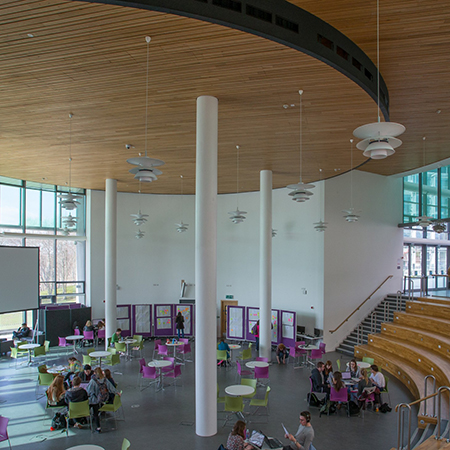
309	347
100	354
237	390
86	447
361	364
57	369
74	338
159	364
232	348
253	364
174	345
128	342
29	347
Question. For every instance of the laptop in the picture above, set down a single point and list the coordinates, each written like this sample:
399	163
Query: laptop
346	376
256	439
272	442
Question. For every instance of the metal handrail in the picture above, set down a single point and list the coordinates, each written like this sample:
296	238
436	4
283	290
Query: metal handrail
434	392
442	388
400	425
359	307
386	311
398	301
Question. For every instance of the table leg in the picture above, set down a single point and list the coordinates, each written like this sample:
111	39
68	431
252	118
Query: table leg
75	346
29	356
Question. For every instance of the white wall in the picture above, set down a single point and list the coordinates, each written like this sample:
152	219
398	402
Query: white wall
151	269
360	255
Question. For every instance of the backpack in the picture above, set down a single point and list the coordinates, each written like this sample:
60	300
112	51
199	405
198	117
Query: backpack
59	421
353	409
254	329
384	408
103	393
313	400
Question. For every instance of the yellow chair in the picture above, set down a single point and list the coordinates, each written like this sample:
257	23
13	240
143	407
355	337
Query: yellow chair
47	346
246	354
121	347
87	360
77	410
44	379
219	399
126	444
261	402
249	382
222	355
114	407
235	405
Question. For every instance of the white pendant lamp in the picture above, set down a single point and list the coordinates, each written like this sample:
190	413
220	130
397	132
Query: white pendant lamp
350	214
139	234
379	139
181	227
146	167
300	191
68	200
274	232
237	216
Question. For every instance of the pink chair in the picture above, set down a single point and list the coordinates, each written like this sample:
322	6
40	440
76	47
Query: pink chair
63	343
341	396
297	352
157	343
185	350
261	358
149	373
322	348
262	373
184	340
88	336
4	430
168	369
175	374
101	334
76	332
162	350
314	356
242	373
141	365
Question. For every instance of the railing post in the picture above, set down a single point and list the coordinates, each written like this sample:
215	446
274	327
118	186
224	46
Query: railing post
426	394
442	388
400	426
398	301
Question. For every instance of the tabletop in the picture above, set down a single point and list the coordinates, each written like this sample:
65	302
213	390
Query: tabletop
309	347
99	354
30	346
74	337
159	363
172	344
56	369
234	346
129	341
362	364
237	390
253	364
86	447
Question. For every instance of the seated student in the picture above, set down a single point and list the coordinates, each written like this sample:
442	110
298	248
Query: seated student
302	440
88	327
364	382
109	377
354	369
116	337
22	331
99	390
378	380
100	325
74	367
328	372
224	346
236	439
56	392
281	353
76	394
318	380
87	373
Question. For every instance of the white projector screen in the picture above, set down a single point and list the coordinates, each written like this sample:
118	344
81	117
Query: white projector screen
19	278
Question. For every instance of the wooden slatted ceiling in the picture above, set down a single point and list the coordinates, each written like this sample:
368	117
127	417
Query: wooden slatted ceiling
90	59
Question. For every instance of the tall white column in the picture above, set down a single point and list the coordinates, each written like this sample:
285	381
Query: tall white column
110	257
265	264
205	267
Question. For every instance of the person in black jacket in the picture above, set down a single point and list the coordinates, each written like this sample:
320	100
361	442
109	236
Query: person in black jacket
179	320
318	379
75	395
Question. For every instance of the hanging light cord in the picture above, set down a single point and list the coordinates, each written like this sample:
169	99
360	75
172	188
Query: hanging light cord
237	177
181	208
351	174
423	151
147	39
70	152
378	59
301	133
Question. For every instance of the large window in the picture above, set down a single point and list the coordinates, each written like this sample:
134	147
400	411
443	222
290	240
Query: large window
411	198
30	215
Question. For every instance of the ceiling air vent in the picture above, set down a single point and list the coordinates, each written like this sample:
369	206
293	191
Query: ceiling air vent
342	53
356	63
325	42
229	4
284	23
258	13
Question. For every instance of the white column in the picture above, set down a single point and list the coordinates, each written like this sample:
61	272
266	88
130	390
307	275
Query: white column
265	264
110	257
205	267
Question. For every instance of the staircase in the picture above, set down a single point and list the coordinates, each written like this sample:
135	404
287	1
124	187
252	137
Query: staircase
384	312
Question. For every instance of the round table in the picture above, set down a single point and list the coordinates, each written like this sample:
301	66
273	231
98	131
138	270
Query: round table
159	364
86	447
100	354
309	347
361	364
253	364
237	390
74	338
128	342
29	347
174	345
232	348
57	369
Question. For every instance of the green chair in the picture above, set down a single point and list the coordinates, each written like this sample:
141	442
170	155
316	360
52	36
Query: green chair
234	405
39	351
19	350
47	346
87	360
42	368
15	354
219	399
109	342
138	337
44	379
246	354
114	407
126	444
386	390
222	355
115	359
261	402
368	360
249	382
77	410
338	363
121	347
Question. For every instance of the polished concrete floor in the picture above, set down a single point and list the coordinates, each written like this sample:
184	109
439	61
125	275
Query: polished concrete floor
166	419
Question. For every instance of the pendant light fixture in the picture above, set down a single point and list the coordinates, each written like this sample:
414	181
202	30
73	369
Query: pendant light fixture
274	232
321	226
181	227
300	191
379	138
350	214
139	234
237	216
139	218
68	200
146	167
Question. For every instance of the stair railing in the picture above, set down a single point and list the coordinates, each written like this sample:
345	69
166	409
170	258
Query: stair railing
439	392
425	393
401	425
398	301
359	307
359	335
373	322
386	312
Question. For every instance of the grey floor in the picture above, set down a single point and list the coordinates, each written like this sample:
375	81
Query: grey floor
166	419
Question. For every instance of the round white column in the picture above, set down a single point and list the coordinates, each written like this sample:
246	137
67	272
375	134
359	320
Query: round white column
205	267
265	264
110	258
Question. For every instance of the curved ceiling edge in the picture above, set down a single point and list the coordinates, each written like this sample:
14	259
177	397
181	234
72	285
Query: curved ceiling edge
282	22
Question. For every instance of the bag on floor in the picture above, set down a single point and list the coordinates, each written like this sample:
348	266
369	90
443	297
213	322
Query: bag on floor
313	400
59	421
353	409
384	408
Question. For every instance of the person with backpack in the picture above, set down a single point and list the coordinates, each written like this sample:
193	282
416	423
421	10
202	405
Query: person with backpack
99	389
76	394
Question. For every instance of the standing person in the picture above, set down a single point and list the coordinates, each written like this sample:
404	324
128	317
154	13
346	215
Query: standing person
257	336
179	320
76	394
318	380
99	389
236	439
281	353
302	440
